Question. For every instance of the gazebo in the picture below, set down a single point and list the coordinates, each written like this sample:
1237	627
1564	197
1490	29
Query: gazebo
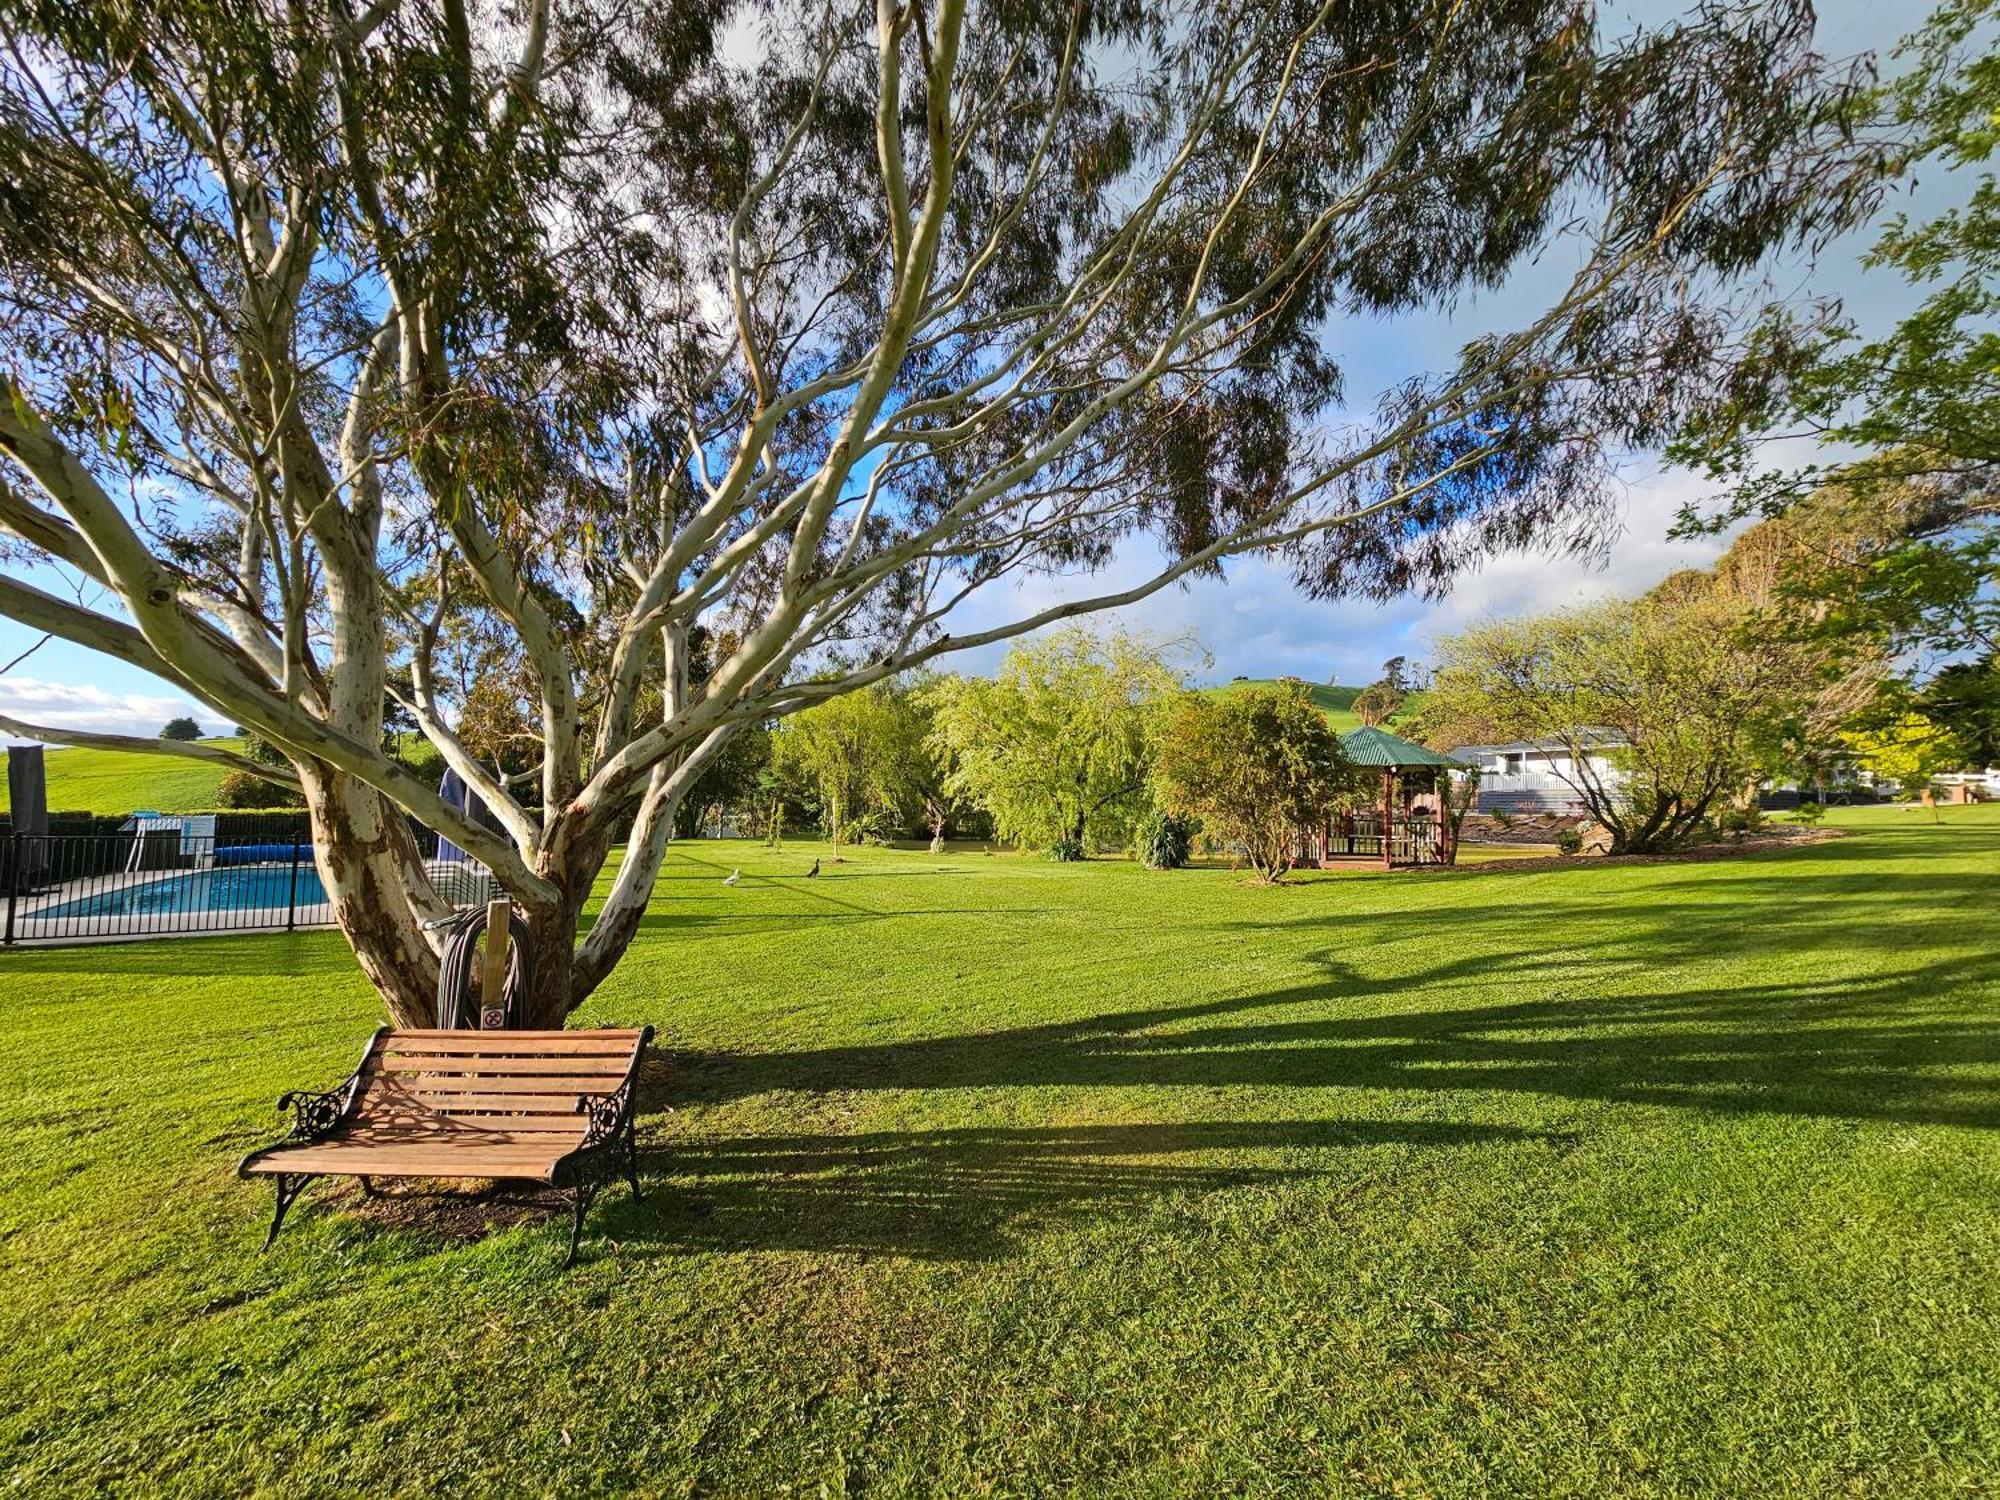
1410	824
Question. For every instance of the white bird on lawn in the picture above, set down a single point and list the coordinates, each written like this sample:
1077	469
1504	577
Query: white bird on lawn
734	876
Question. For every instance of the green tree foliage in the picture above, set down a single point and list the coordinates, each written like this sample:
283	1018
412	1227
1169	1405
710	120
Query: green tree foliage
1964	699
920	772
1259	767
1920	543
730	780
1387	695
1771	584
844	757
240	789
1056	745
1377	703
866	766
1909	750
181	728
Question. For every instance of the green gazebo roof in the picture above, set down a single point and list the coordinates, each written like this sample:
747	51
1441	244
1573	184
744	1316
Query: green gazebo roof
1368	746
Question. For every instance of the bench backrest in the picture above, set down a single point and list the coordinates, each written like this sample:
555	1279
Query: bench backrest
501	1080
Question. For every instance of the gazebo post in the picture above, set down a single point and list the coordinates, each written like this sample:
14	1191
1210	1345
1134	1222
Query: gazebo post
1389	819
1450	823
1441	789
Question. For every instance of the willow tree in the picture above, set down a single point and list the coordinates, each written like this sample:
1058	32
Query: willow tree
334	331
1055	746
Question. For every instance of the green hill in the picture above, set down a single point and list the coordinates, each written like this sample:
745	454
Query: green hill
119	781
1336	702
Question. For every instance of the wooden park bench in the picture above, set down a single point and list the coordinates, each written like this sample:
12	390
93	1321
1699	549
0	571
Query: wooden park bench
544	1106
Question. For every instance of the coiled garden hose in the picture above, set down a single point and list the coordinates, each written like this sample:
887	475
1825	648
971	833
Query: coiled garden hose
457	1003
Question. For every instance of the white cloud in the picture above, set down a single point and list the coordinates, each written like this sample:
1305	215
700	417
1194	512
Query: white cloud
62	705
1257	624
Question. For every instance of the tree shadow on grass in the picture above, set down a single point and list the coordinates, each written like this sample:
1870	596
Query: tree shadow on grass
967	1193
1852	1023
1739	991
1801	1049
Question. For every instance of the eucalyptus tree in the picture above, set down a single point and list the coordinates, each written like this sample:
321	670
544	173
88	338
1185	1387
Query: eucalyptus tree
329	328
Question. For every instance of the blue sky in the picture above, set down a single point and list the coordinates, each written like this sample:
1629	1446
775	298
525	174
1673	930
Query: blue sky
1253	622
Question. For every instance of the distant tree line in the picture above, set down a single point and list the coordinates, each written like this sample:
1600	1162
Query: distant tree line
1078	743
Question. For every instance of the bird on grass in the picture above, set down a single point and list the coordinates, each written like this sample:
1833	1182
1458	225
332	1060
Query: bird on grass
733	877
814	871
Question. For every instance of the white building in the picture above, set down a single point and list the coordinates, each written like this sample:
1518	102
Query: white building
1542	776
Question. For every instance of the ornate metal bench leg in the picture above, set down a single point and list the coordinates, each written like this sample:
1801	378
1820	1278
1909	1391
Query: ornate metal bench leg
632	1155
581	1197
289	1188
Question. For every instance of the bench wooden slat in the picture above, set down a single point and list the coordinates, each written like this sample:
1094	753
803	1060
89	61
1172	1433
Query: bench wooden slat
464	1138
529	1107
505	1043
563	1087
624	1035
483	1101
505	1067
360	1159
566	1124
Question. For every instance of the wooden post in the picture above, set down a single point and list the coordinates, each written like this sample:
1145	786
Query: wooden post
493	975
1388	820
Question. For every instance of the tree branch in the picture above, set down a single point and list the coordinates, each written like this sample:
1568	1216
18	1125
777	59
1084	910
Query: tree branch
139	745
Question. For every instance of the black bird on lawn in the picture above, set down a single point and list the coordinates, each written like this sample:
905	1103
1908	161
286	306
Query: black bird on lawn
814	871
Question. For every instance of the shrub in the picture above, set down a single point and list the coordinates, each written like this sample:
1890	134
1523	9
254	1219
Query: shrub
1808	813
182	728
1066	850
241	789
1740	819
1163	841
1569	841
1256	766
1501	820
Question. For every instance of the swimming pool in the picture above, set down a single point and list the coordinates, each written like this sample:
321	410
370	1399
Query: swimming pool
240	888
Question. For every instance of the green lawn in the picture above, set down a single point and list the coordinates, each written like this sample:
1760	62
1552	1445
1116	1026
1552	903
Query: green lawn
121	781
991	1176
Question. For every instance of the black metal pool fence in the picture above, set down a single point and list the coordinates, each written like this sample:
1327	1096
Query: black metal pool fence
175	875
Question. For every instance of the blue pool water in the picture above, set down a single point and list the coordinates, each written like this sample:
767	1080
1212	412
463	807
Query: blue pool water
239	889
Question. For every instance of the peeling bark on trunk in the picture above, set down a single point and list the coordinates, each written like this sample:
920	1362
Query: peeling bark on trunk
552	932
562	981
374	876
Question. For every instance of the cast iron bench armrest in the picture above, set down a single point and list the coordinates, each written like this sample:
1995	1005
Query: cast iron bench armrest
316	1115
608	1115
